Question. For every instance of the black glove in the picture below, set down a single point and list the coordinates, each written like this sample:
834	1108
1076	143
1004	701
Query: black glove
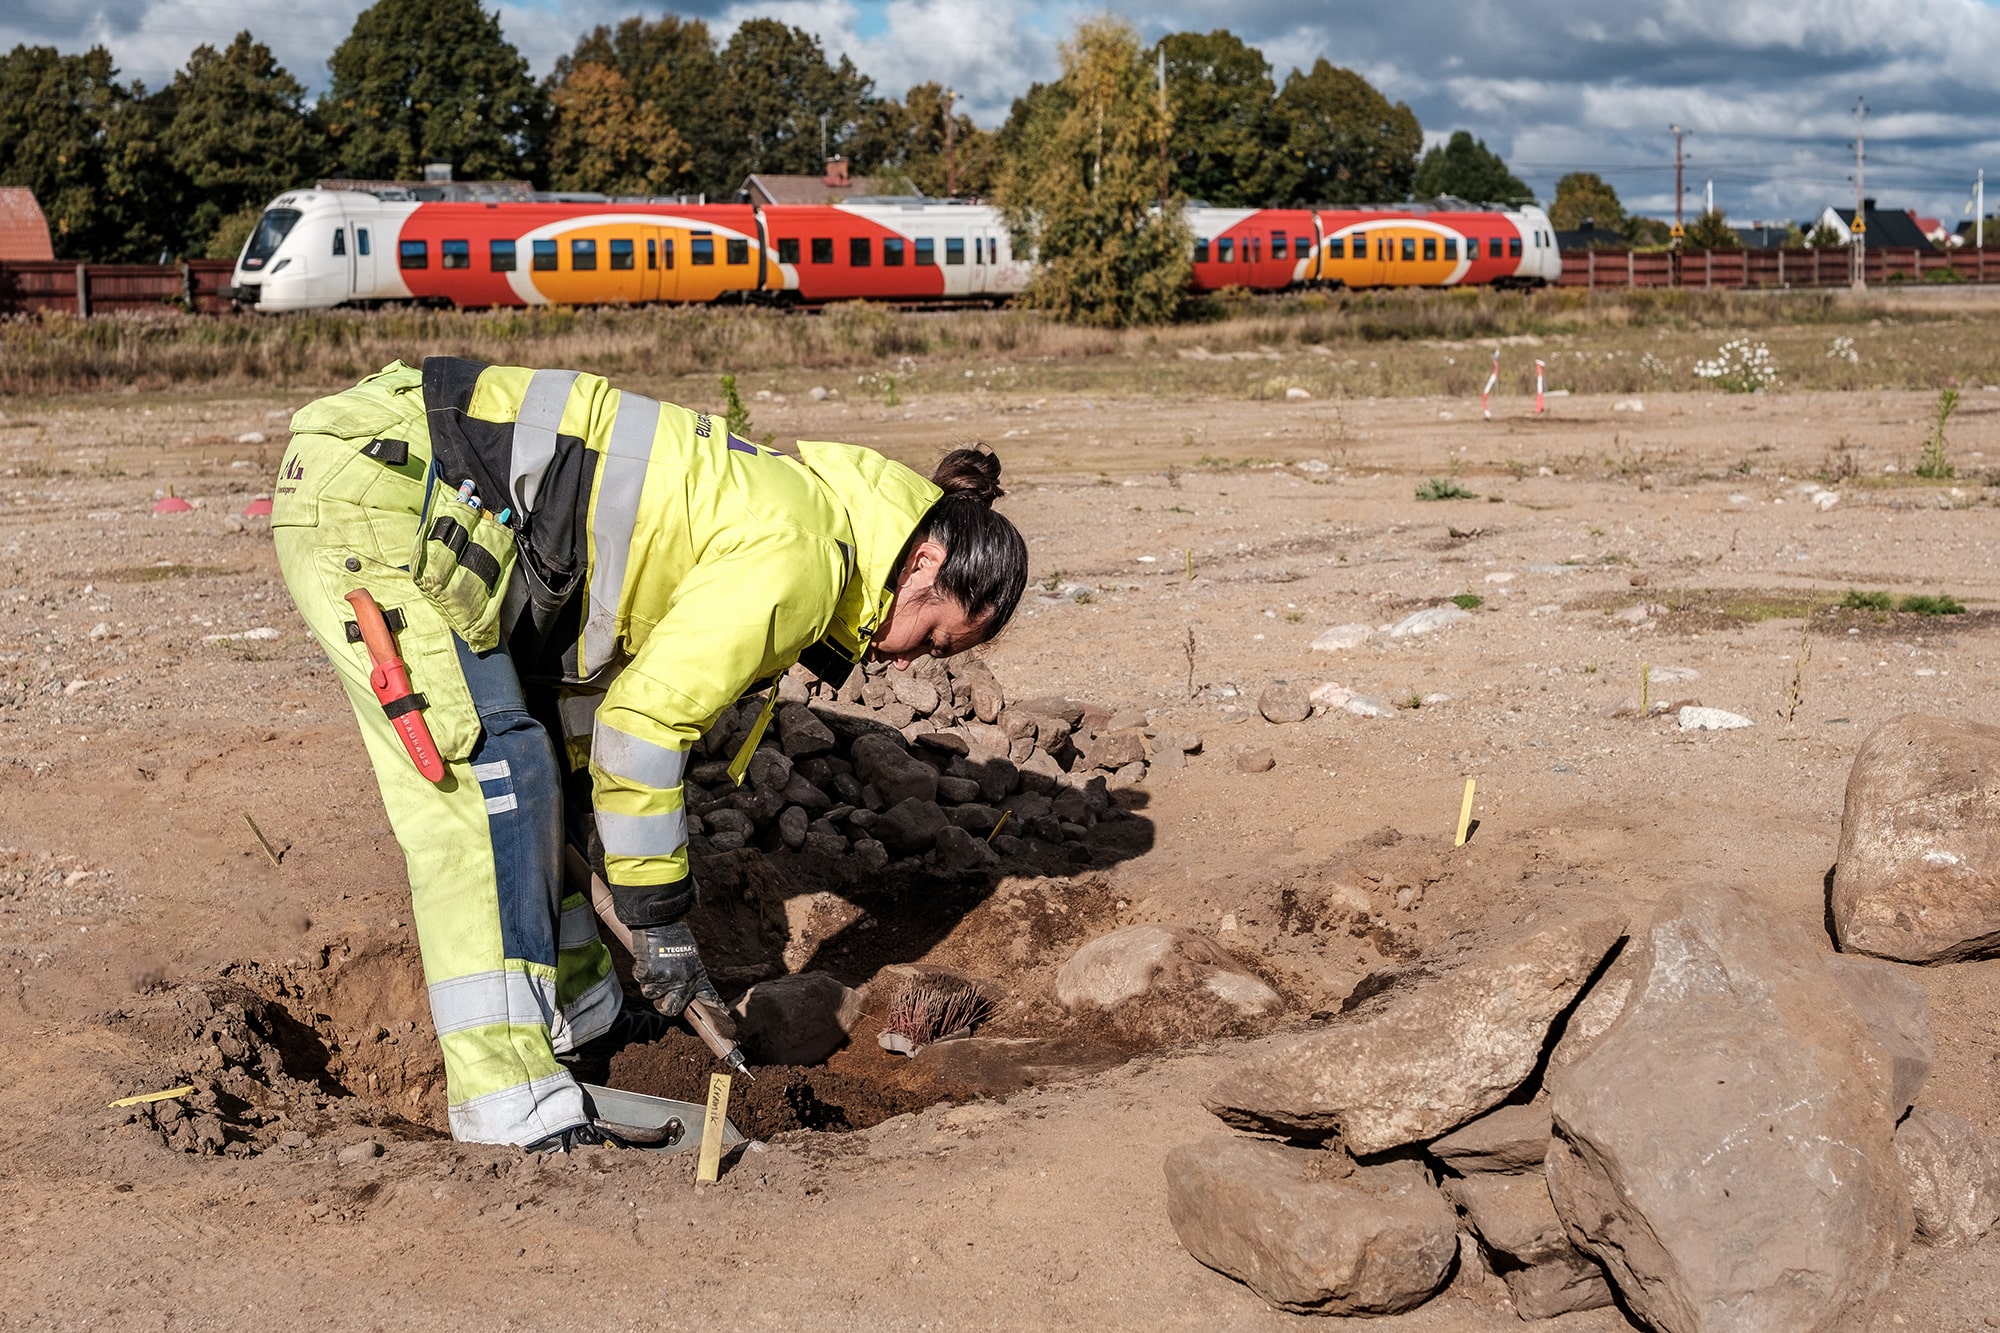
668	968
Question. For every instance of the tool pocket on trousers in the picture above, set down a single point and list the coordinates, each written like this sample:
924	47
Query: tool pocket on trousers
462	562
423	639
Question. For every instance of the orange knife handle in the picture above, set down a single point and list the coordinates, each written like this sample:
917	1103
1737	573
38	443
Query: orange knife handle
374	628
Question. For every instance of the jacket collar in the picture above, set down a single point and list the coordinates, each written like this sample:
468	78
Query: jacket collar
884	501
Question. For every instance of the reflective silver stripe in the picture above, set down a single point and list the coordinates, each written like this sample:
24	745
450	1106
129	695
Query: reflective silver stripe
642	835
523	1114
487	772
485	998
535	428
589	1015
624	755
621	479
579	713
500	805
577	928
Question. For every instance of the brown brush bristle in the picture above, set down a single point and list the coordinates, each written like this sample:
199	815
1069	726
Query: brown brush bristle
924	1009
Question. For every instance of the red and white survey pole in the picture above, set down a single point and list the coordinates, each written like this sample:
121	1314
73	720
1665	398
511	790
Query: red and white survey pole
1491	381
1541	403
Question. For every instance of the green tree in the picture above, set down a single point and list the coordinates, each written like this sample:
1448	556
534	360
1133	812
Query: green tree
604	138
53	110
1711	231
1465	168
240	134
1083	187
418	81
1825	236
1348	143
774	86
671	65
904	142
1227	140
1585	194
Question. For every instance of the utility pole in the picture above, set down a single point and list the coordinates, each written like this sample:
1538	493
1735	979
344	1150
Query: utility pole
822	137
1860	230
1163	127
1711	195
1979	211
1679	162
950	157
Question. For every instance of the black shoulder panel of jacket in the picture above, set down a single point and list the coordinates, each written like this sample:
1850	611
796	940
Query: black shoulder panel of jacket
552	538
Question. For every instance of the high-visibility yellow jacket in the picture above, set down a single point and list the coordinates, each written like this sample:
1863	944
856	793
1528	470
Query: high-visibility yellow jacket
683	565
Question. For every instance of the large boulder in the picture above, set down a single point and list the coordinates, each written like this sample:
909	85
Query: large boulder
1919	872
1167	983
796	1020
1427	1055
1725	1148
893	770
1953	1175
1308	1230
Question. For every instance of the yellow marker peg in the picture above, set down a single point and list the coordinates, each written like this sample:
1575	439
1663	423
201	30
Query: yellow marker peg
166	1094
1465	814
1001	823
709	1168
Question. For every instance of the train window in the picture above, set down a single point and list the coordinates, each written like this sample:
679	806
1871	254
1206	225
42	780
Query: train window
1430	247
701	250
979	249
926	252
1451	247
667	253
361	240
340	240
736	250
454	254
892	252
1277	245
859	253
788	249
583	255
652	253
954	249
621	254
500	256
1302	246
413	254
1201	251
1409	249
1333	247
822	249
1513	247
1225	250
545	256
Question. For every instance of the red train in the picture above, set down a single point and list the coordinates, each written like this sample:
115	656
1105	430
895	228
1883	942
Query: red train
326	247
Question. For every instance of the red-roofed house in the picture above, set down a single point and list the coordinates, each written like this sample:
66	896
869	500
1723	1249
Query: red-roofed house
1935	230
24	232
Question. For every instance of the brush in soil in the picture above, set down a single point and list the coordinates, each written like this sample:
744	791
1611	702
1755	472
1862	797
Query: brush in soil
925	1010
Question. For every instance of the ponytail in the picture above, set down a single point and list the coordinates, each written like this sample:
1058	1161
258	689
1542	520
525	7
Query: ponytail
985	566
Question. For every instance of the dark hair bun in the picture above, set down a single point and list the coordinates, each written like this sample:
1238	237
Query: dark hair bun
969	474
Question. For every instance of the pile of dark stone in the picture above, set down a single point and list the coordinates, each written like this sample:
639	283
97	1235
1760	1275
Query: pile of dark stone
934	766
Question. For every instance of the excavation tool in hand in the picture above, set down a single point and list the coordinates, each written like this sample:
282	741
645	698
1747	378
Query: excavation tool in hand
390	680
710	1021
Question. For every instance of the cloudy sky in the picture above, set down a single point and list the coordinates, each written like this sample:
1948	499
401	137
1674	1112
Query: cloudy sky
1767	89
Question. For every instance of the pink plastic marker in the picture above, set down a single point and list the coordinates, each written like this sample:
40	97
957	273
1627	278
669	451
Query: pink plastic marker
1491	380
1541	403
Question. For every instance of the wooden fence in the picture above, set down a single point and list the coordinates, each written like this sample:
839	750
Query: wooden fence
95	289
1738	269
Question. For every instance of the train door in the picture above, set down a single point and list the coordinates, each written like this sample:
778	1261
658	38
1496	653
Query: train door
362	243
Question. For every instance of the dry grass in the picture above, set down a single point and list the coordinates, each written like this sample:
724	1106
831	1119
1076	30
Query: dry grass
1387	344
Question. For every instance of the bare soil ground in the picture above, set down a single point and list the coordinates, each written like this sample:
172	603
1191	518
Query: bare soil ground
1186	552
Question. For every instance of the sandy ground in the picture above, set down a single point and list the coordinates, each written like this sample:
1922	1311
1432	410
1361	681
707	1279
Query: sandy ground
133	741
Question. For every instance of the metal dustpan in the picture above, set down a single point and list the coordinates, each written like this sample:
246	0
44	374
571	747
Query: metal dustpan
619	1107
